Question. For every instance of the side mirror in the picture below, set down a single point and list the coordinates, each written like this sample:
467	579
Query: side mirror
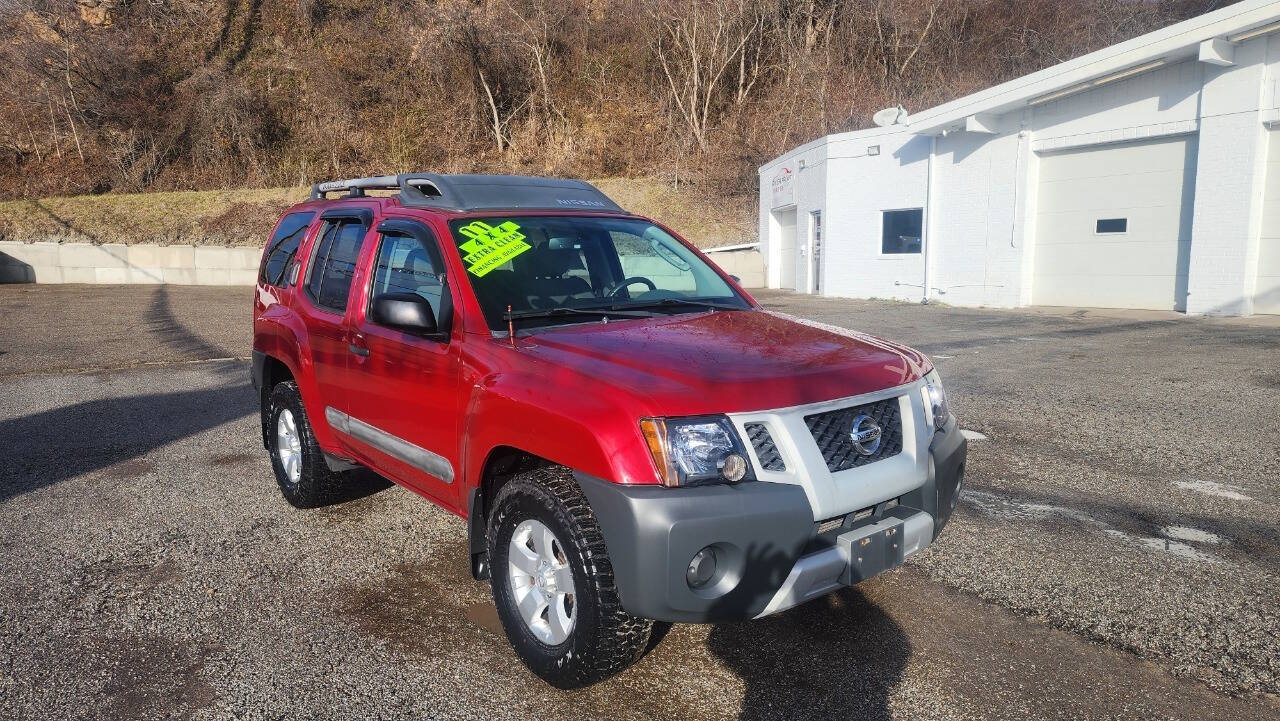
406	311
736	279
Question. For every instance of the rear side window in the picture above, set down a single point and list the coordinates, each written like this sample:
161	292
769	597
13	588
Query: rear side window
334	264
283	246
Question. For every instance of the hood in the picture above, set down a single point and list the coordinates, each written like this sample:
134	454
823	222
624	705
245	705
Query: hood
724	361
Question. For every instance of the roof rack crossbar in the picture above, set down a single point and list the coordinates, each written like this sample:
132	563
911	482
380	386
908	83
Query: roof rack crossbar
476	192
376	182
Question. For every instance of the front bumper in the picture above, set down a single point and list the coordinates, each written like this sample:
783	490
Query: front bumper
769	554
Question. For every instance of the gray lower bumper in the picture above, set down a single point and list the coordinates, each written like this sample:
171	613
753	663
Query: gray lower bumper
762	534
758	530
918	521
858	555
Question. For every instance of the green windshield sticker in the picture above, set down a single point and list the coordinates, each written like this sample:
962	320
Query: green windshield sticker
489	246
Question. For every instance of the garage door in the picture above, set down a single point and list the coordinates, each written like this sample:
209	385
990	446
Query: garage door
786	220
1113	225
1266	296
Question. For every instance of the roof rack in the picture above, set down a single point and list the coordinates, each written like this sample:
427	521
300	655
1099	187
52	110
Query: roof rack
477	192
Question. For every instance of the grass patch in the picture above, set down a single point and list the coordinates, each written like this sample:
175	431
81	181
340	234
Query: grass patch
201	217
244	217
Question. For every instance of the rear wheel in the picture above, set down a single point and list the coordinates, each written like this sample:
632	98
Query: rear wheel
301	472
553	582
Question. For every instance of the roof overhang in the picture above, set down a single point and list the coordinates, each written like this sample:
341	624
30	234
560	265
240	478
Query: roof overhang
1181	41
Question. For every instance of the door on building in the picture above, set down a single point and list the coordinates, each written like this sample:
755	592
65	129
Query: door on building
1266	294
786	223
1113	225
815	242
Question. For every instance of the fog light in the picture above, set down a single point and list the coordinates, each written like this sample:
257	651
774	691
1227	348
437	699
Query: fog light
702	568
733	468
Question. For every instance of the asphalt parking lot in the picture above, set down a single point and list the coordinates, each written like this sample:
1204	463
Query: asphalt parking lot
1116	553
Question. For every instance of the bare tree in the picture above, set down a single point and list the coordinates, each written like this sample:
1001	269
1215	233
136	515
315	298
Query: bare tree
901	33
535	35
695	44
487	44
192	93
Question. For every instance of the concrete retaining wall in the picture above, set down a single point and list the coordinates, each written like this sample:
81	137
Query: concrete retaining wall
205	265
126	264
746	263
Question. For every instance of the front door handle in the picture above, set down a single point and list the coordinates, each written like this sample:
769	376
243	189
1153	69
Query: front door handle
357	346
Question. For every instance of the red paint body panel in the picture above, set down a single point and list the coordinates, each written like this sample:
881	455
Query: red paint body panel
571	394
407	386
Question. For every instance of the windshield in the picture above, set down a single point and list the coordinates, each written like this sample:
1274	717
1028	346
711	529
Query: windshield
543	263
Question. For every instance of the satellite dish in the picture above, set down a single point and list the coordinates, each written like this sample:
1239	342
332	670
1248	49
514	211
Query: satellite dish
890	116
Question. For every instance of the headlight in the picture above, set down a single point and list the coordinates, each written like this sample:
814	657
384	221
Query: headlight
935	400
695	451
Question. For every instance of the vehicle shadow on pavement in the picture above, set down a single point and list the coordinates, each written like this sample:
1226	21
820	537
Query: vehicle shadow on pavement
51	446
164	325
839	656
61	443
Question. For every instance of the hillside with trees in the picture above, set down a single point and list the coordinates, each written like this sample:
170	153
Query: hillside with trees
145	95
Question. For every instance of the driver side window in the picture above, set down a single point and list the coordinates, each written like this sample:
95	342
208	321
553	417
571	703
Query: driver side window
404	265
641	258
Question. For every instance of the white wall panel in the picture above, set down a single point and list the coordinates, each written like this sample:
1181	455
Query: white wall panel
1266	294
1162	97
977	255
860	187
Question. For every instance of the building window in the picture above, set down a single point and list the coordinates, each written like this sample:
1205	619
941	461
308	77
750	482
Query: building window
1109	226
901	231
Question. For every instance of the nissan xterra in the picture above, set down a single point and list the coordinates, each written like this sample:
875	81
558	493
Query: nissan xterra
629	435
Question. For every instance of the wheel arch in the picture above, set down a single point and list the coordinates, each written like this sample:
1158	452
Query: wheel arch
268	372
278	340
501	464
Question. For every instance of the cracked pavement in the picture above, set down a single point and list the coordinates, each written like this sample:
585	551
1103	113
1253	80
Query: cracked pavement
1115	554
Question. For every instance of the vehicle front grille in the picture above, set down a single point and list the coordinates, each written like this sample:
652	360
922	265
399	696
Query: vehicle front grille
831	431
766	450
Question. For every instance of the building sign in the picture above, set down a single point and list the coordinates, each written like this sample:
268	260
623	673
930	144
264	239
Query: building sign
783	184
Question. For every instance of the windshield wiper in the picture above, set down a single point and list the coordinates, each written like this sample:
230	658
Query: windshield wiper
670	302
566	311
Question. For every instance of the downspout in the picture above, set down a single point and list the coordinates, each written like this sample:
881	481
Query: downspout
927	245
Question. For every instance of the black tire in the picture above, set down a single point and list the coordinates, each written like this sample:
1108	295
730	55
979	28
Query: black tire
605	639
316	485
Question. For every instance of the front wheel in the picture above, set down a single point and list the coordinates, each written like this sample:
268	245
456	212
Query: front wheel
553	583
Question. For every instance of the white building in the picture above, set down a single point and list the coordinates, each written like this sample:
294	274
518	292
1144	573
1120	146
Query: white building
1144	175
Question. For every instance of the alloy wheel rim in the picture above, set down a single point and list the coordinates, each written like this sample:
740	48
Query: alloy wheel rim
289	445
541	582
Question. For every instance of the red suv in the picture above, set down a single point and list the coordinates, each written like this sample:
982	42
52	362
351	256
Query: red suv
630	436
